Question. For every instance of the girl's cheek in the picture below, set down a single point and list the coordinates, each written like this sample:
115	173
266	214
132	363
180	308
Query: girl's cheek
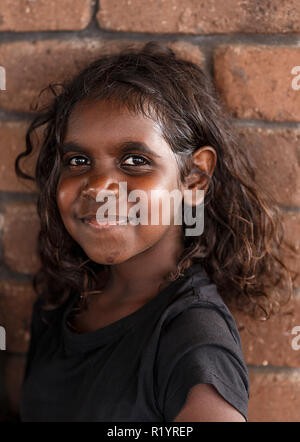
65	194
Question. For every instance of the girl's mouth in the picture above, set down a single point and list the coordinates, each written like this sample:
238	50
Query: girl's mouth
106	224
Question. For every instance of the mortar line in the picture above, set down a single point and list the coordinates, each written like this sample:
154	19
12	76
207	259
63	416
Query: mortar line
273	369
208	40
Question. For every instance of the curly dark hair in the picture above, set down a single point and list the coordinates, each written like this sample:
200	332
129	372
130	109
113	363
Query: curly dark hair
240	248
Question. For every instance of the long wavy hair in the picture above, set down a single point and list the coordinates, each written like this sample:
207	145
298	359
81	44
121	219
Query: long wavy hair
240	248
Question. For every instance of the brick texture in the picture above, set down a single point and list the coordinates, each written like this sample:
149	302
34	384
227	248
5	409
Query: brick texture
256	82
19	237
44	15
269	343
31	66
276	157
274	395
200	17
12	135
16	301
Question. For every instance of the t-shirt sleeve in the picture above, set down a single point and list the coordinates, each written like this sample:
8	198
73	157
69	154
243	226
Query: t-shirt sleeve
200	346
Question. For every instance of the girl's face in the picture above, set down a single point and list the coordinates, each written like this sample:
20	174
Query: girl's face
105	146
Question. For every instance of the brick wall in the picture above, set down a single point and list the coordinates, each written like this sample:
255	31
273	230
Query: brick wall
249	47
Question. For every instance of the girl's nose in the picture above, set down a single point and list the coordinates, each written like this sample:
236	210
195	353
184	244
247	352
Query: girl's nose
98	186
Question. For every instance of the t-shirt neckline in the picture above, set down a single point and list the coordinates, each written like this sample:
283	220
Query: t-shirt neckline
86	341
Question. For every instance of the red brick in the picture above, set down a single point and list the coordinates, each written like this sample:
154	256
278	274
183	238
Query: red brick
44	15
31	66
188	51
275	153
194	17
12	135
274	395
16	301
20	232
269	343
255	82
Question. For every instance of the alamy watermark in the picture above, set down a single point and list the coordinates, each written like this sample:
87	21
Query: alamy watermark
2	79
138	213
2	338
296	80
296	339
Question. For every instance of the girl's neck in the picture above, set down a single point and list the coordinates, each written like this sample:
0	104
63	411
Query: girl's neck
143	275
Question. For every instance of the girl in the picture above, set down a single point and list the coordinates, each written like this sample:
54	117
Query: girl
132	320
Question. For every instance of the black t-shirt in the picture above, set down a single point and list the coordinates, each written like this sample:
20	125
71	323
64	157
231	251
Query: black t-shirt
139	368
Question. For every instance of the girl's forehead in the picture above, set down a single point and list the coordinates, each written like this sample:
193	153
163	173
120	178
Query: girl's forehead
104	111
104	118
102	121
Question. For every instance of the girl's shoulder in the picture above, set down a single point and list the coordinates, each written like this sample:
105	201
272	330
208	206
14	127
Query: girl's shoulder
199	344
201	312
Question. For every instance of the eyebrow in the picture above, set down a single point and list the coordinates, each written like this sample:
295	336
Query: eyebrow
124	147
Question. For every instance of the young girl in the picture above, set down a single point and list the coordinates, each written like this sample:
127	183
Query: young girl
132	320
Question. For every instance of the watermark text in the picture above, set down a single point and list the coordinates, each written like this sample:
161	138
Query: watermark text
296	339
296	80
2	338
2	79
161	202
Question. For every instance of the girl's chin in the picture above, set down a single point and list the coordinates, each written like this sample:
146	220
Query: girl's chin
109	258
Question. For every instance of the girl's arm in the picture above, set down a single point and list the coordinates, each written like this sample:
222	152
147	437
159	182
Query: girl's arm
205	404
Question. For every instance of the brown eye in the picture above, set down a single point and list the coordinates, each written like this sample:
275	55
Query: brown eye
136	160
72	161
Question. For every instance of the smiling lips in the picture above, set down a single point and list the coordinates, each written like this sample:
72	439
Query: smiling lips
108	222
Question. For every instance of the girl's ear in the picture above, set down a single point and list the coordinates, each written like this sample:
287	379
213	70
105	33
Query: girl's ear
204	160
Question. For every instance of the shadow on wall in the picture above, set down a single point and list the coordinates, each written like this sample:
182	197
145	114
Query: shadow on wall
5	416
